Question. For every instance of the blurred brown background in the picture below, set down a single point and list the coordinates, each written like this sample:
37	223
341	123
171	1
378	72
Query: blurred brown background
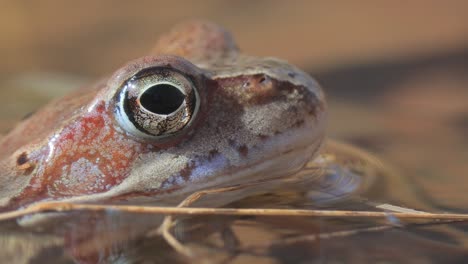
93	37
395	71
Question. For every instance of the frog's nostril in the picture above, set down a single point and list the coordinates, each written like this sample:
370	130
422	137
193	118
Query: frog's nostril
162	99
22	159
24	164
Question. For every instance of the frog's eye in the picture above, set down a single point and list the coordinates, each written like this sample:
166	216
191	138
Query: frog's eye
157	103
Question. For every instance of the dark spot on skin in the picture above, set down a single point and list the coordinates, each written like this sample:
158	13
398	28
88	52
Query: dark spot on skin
243	150
299	123
262	137
264	89
287	151
291	74
24	165
212	154
187	171
22	159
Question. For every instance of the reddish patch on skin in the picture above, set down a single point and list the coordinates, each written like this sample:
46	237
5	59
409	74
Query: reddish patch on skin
87	156
89	137
92	156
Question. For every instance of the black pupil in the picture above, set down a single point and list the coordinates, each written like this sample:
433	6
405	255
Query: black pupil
162	99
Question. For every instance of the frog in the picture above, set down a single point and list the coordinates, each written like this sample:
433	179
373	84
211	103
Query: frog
195	113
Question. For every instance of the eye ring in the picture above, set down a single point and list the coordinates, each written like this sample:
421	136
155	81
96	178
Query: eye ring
157	103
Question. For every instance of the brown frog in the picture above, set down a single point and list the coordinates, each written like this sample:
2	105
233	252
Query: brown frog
193	114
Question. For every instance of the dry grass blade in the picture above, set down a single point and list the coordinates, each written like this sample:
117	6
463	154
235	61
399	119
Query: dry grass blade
64	207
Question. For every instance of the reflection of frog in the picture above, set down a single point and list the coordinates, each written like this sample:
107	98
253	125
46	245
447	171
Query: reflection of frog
194	114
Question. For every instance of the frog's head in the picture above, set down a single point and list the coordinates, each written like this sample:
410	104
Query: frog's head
220	117
194	114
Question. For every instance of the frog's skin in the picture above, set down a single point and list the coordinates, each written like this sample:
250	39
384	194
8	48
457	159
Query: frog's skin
256	117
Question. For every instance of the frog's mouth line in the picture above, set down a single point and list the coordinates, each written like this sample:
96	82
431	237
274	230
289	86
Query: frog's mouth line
272	169
269	173
256	178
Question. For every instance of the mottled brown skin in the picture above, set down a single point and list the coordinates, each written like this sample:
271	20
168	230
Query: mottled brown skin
253	111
